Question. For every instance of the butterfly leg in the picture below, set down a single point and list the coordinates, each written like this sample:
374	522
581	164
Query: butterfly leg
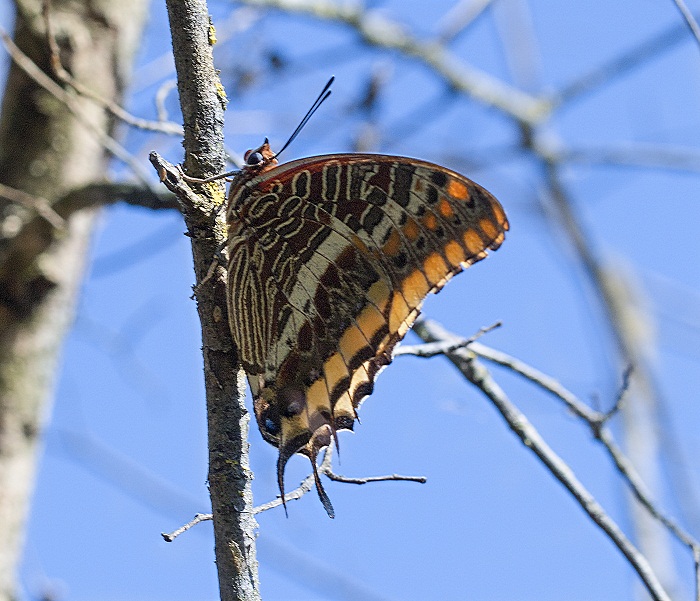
196	180
220	258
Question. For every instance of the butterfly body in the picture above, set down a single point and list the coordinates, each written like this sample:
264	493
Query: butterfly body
330	260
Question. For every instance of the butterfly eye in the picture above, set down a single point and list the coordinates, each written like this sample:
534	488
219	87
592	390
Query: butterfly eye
253	158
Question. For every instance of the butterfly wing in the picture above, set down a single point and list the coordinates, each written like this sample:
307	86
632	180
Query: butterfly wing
331	258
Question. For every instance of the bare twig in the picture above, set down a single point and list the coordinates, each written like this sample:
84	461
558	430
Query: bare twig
478	375
40	205
200	517
326	468
640	491
306	485
632	154
430	349
594	419
617	300
689	19
392	477
621	393
109	193
460	17
173	179
576	406
381	32
618	66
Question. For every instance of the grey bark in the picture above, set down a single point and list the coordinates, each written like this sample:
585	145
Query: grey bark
203	101
47	152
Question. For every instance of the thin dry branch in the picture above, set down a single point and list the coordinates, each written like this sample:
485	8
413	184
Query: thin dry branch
478	375
689	19
198	518
305	486
596	421
109	193
326	468
573	404
617	301
40	206
631	154
381	32
369	479
621	395
78	199
618	66
460	17
431	349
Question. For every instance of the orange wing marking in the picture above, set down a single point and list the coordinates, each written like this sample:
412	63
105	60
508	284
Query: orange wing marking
445	209
411	230
393	245
435	268
415	287
488	228
430	221
454	253
458	189
473	242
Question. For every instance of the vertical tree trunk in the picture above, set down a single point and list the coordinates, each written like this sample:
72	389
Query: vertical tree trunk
46	150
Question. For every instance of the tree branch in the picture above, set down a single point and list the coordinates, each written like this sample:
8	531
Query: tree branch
634	155
478	375
202	101
620	65
689	19
381	32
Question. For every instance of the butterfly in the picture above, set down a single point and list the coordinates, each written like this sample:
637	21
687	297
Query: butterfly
329	261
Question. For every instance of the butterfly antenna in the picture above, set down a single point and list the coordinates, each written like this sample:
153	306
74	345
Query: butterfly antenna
325	93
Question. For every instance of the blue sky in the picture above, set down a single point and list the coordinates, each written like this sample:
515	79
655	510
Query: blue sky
125	451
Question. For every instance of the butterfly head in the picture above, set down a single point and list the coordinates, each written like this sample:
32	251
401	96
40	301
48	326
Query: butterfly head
261	159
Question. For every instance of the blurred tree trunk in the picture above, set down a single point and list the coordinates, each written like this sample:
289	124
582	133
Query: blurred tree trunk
47	150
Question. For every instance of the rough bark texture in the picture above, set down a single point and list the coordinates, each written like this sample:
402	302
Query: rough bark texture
202	100
47	152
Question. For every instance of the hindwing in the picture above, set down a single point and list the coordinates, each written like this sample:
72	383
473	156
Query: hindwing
330	260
